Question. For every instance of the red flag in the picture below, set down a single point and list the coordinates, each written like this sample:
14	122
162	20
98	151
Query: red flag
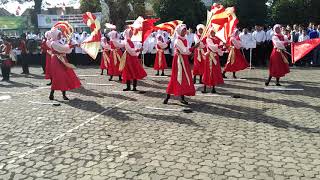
147	28
300	49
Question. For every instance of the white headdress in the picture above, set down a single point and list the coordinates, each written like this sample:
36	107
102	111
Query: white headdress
54	34
200	26
180	27
127	33
113	35
275	27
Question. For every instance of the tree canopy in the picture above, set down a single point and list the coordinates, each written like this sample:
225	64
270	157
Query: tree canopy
191	12
90	6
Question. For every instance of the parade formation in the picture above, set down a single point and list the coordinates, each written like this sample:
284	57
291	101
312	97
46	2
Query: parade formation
202	136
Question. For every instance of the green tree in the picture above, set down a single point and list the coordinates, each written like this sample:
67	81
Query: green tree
249	12
118	12
138	9
295	11
90	6
191	12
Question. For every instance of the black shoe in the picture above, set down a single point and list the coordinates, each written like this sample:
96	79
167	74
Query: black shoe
120	78
23	73
101	73
110	79
235	77
65	98
166	101
157	74
224	76
163	74
278	84
51	97
184	102
266	83
127	89
134	89
204	92
49	84
213	91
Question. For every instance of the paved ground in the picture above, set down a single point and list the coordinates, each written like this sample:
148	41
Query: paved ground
103	133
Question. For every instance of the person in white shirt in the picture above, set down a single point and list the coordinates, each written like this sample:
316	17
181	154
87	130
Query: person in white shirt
84	36
304	36
268	43
190	37
246	41
259	36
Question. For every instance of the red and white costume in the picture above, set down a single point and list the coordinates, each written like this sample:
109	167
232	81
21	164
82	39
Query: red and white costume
279	65
115	54
63	77
212	72
199	53
130	65
105	54
181	78
48	55
236	60
160	62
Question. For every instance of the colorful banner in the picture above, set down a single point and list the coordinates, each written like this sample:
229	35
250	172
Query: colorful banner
76	20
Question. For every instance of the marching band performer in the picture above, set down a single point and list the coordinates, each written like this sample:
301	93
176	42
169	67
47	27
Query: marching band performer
212	75
279	65
105	53
48	56
6	61
236	60
130	66
114	55
62	74
160	61
181	83
199	54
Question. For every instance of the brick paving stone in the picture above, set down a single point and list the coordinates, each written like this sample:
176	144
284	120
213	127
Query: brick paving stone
103	133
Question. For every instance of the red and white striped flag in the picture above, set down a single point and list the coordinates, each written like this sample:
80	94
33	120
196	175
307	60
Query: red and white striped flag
91	45
223	20
170	27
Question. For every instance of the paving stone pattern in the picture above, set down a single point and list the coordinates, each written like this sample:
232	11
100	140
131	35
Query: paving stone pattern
103	133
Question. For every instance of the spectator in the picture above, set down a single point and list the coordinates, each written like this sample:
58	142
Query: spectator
295	33
260	37
304	36
246	41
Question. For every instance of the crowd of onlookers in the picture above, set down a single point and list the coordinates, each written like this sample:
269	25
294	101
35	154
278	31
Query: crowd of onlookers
256	43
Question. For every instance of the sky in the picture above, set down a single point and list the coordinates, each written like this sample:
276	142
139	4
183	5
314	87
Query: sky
13	5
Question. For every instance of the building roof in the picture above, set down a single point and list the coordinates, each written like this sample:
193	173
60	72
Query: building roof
4	12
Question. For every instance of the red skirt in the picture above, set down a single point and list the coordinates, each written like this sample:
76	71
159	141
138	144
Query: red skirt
160	66
48	65
113	68
198	67
63	78
239	61
212	77
132	70
277	67
103	65
186	88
